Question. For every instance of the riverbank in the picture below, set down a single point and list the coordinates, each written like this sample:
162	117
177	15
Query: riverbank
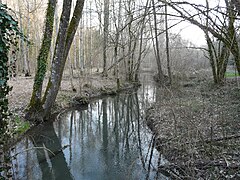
72	92
107	139
197	129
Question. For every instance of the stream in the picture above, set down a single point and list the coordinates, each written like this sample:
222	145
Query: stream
108	139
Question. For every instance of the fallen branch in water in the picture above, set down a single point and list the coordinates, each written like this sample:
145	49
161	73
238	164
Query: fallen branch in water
29	149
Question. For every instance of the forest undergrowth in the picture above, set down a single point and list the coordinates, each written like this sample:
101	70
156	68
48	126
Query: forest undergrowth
197	130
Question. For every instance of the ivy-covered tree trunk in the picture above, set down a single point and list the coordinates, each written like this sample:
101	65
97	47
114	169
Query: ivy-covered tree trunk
8	33
57	62
66	34
40	107
35	105
4	88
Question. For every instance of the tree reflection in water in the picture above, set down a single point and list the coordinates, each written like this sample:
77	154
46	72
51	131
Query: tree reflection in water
41	157
108	140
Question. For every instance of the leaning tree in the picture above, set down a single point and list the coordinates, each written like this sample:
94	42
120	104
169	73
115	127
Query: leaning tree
40	105
219	23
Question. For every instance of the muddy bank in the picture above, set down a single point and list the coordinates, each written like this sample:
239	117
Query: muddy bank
197	130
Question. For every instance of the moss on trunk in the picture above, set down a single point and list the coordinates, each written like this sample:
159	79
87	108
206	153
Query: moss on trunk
35	105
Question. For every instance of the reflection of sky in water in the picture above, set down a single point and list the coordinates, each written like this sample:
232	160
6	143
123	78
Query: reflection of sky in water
88	154
25	166
109	140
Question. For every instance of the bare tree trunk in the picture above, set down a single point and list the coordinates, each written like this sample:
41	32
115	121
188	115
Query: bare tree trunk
81	46
218	56
211	57
117	20
223	61
21	41
129	35
26	67
105	39
210	47
158	59
232	33
99	12
141	41
167	47
90	39
55	32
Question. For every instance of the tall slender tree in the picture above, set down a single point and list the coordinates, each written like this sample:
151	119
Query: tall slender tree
219	22
157	46
105	38
36	99
167	46
66	32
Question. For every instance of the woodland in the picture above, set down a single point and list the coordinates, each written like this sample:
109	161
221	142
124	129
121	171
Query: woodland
58	53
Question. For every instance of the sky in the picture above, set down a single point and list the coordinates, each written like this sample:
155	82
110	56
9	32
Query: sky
187	30
191	33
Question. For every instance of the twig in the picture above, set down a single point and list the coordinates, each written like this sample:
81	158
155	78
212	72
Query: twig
29	149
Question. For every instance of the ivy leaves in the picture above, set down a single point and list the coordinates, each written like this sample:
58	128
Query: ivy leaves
9	29
9	34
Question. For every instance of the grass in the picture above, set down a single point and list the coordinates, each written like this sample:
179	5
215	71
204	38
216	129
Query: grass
231	74
21	126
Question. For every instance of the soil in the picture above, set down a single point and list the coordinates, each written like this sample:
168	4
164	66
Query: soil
196	125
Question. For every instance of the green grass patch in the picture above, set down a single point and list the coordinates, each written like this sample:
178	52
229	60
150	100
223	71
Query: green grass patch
21	126
231	74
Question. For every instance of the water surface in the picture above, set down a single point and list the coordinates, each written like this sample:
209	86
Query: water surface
108	139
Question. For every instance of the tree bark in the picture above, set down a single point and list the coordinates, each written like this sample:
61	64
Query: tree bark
65	38
40	108
105	39
141	41
167	47
227	33
35	102
55	77
158	59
